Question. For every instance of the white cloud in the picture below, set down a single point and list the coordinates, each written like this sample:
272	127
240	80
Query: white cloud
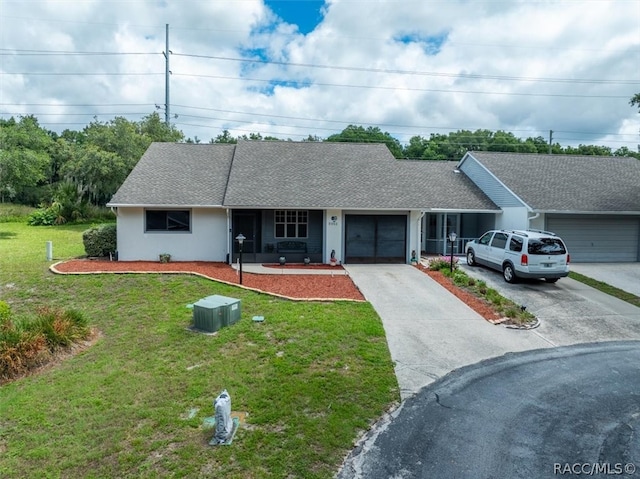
502	43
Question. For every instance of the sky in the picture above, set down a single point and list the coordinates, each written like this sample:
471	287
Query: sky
291	69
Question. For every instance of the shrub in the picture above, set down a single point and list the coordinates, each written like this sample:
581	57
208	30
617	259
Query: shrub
100	240
460	278
27	352
494	296
44	216
443	263
24	344
511	313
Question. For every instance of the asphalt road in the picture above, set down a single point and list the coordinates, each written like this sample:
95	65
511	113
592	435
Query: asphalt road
564	412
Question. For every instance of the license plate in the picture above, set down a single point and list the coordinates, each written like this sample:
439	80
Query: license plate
547	265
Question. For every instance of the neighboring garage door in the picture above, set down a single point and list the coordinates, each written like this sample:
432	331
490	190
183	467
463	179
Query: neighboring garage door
597	239
375	238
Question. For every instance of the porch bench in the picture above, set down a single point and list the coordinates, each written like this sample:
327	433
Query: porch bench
292	247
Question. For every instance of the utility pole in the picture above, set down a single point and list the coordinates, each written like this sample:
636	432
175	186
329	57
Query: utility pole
550	140
167	72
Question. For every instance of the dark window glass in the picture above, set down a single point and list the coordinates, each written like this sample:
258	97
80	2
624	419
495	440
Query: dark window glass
546	246
156	220
168	220
515	244
178	220
499	240
291	223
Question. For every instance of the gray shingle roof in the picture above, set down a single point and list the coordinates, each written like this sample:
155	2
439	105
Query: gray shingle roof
344	175
567	182
295	175
177	174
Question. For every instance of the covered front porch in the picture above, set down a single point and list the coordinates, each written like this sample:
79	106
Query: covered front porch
271	234
437	225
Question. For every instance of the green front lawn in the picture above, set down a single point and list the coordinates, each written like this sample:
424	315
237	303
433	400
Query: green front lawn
309	378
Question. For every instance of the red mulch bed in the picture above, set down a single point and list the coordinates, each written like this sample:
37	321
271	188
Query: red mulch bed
291	286
478	305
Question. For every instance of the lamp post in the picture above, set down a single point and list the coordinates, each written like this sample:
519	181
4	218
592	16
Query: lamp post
452	238
240	238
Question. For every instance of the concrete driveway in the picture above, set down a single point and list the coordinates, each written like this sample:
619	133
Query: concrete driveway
625	276
569	311
429	331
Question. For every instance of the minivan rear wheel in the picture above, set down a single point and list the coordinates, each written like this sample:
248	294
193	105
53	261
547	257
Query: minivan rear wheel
508	273
551	280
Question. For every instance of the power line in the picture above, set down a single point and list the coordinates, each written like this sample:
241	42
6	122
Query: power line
349	122
344	123
473	76
398	88
81	74
414	72
14	52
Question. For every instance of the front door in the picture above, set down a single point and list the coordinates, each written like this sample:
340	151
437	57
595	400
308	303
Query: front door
245	223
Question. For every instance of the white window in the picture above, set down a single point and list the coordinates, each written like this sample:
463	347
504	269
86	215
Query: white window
291	223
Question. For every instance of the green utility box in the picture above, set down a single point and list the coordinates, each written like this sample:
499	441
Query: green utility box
208	315
230	306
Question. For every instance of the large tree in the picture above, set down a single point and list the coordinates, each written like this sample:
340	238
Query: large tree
24	155
106	153
354	133
96	173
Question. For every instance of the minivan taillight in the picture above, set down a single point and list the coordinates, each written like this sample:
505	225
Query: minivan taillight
524	260
568	258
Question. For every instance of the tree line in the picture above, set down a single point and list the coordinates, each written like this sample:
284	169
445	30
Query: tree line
39	167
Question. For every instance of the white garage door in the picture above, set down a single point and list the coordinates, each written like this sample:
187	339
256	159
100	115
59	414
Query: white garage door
594	239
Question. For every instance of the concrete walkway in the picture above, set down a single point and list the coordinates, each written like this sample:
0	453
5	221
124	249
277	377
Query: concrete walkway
429	331
258	268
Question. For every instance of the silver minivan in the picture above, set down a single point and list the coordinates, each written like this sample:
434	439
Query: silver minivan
521	254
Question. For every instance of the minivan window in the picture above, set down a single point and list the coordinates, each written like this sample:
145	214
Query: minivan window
499	240
515	244
485	238
546	246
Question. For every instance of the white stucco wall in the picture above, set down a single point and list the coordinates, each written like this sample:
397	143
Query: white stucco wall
515	218
537	223
207	240
333	234
415	230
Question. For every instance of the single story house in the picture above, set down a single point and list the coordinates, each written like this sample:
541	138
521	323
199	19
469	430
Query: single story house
357	203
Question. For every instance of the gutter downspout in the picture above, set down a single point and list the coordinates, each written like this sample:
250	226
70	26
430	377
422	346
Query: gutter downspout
530	218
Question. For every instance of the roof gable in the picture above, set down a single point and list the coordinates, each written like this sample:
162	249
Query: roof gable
177	174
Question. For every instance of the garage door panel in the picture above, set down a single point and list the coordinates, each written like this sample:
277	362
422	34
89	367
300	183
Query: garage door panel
375	238
598	239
